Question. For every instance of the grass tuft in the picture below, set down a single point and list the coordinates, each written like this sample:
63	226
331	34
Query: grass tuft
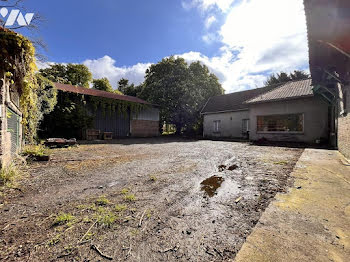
120	208
63	218
107	219
130	197
8	175
125	191
153	178
102	201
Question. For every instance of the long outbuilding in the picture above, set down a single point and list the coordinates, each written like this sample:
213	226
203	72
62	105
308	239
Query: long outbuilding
122	121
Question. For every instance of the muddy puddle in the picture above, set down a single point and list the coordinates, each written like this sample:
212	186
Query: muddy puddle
211	184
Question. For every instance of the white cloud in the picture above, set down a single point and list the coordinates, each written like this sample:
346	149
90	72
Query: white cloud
105	67
209	21
205	5
258	38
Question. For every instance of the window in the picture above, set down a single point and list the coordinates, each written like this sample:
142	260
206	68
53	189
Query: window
281	123
217	126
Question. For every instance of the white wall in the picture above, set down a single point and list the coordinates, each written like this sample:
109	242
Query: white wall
230	125
315	112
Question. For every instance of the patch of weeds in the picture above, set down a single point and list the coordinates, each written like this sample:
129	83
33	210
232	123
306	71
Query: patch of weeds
153	178
120	208
34	150
55	240
102	201
130	197
8	175
125	191
107	219
87	219
282	163
63	218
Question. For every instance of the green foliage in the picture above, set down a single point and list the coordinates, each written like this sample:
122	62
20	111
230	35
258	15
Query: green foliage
69	117
181	90
125	191
8	175
63	218
102	201
284	77
102	84
120	208
37	97
130	197
129	89
74	74
34	150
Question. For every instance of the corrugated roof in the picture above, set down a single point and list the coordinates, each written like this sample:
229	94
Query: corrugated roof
94	92
290	90
234	101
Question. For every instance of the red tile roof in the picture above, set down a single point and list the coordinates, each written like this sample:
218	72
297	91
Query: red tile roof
94	92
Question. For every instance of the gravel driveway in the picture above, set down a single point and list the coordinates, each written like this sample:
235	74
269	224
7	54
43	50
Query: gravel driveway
162	199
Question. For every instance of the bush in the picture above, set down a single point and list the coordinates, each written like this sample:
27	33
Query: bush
8	175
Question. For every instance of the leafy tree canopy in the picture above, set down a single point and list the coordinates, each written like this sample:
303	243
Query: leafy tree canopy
181	90
129	89
102	84
284	77
74	74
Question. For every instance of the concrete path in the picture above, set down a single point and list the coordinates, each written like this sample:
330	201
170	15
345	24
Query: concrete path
312	221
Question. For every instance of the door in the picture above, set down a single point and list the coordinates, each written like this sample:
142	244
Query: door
245	128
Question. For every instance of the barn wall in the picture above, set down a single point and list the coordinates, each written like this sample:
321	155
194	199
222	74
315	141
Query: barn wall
145	123
117	123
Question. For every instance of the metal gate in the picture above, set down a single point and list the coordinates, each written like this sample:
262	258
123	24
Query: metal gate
13	122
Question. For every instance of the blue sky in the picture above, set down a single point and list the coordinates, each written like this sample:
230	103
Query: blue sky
242	41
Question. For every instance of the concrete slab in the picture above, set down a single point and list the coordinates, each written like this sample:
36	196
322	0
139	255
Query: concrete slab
312	221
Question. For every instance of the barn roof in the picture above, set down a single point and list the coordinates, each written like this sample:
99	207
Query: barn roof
289	90
328	25
234	101
99	93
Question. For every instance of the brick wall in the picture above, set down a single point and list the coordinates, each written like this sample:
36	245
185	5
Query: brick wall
144	128
344	126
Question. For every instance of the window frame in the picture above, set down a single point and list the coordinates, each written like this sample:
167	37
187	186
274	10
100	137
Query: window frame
281	132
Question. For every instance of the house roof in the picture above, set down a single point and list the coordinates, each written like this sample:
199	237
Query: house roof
234	101
289	90
99	93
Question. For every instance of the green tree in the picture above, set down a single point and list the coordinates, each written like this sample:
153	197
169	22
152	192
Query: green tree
129	89
79	75
284	77
180	90
73	74
102	84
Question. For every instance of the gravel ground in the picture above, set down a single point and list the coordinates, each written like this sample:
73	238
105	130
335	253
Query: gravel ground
162	199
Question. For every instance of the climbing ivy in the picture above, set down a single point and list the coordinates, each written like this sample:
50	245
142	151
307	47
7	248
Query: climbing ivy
17	64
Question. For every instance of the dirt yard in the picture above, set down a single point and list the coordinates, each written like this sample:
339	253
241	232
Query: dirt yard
142	200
